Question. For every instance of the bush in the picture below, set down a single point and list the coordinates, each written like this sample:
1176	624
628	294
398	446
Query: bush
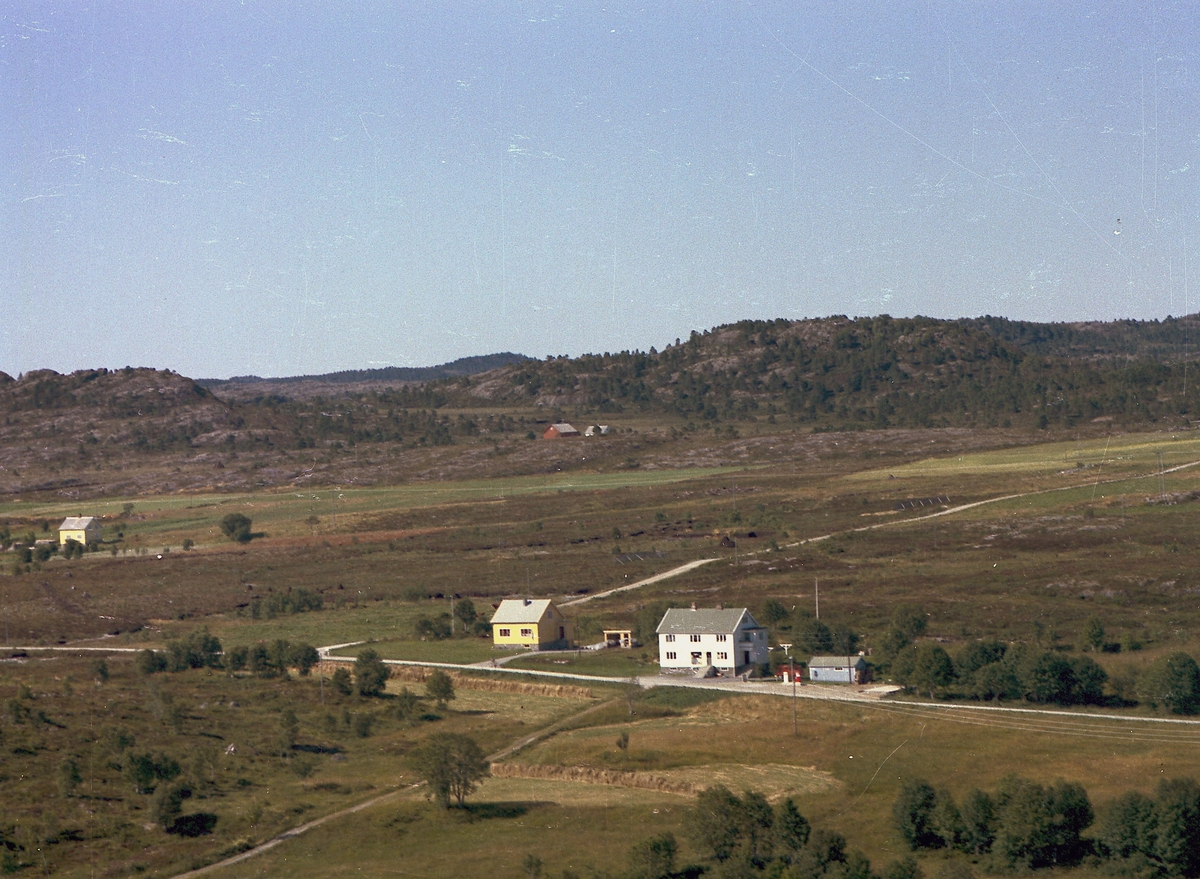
198	650
238	657
1173	683
436	628
653	858
440	688
406	704
912	813
362	725
236	527
341	682
150	662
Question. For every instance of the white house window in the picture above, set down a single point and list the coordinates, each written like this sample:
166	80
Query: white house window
696	658
527	633
722	656
670	639
722	637
695	638
504	633
670	654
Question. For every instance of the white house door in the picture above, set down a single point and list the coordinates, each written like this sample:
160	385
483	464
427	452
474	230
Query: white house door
708	658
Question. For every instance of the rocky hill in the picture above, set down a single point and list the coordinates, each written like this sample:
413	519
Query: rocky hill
250	387
136	430
876	372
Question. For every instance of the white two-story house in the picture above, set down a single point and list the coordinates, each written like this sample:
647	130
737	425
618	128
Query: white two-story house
728	640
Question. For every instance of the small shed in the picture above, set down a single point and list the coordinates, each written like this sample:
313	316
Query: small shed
839	669
555	431
619	638
82	529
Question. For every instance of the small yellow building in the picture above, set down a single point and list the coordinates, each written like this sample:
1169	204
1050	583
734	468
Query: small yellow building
530	623
81	529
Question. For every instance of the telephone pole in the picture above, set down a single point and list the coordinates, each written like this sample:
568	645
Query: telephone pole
792	674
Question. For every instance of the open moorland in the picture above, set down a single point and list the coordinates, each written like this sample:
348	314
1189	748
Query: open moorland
1022	543
1028	496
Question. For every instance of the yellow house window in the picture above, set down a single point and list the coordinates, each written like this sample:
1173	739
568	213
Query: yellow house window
527	633
504	633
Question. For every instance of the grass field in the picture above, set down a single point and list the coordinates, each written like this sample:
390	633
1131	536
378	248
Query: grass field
224	733
1099	531
609	663
844	770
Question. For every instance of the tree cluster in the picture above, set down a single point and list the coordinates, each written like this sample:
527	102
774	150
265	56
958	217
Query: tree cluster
1022	825
268	660
285	603
198	649
745	836
994	670
1026	826
809	635
1153	835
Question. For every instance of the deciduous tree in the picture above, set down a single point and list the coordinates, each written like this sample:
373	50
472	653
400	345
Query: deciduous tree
1172	683
452	765
653	858
370	674
439	687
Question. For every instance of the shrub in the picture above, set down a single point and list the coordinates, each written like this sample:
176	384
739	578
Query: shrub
1173	683
653	858
341	682
236	527
440	688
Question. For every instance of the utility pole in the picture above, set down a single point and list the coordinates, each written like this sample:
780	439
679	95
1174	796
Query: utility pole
817	594
792	674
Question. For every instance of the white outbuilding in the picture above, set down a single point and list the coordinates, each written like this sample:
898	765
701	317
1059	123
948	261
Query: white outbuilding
839	669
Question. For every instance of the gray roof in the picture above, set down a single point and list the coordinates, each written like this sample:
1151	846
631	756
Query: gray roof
705	621
76	523
836	661
520	610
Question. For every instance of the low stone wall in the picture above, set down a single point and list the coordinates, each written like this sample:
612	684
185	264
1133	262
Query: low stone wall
418	674
587	775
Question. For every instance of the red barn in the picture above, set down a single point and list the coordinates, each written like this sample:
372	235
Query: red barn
554	431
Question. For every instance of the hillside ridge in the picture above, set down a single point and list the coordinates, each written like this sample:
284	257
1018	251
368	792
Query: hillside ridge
139	431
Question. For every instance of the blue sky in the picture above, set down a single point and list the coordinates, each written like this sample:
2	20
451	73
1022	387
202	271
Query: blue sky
287	188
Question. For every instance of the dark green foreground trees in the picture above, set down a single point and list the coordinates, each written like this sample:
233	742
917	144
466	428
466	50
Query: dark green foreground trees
1025	826
745	836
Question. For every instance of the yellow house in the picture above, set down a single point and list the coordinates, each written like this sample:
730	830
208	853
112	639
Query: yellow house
525	622
81	529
